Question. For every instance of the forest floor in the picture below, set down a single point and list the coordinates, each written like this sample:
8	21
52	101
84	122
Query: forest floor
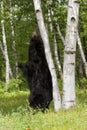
16	115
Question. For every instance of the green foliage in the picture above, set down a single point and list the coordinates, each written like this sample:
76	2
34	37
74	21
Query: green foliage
15	114
14	84
84	82
17	84
83	25
14	111
2	86
24	22
13	101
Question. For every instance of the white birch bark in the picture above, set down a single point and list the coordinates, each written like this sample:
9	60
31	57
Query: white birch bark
69	97
79	45
55	47
57	58
2	49
5	48
43	32
6	53
13	39
60	34
82	53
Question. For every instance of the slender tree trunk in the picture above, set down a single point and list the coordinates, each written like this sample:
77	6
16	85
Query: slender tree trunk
57	58
43	32
80	65
60	34
69	97
55	46
2	49
13	39
82	53
79	72
5	48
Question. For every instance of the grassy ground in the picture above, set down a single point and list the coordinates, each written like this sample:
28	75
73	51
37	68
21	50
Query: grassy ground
15	114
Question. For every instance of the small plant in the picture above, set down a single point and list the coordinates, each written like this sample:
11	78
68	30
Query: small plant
84	81
2	87
16	84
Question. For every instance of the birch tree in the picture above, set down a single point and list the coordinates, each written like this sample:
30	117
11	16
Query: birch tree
82	53
55	45
79	46
5	46
3	52
13	38
69	98
60	34
44	35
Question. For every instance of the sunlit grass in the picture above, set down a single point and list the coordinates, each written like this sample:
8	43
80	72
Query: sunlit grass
15	114
10	102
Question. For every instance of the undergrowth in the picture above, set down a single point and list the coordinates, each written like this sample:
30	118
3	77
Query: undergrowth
15	114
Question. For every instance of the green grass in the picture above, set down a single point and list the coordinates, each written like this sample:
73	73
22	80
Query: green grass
15	114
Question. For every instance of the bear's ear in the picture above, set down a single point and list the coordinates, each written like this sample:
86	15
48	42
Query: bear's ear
34	34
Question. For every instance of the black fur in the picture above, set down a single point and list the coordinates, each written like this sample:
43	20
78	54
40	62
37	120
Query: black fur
37	73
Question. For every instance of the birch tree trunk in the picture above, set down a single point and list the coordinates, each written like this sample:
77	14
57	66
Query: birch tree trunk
80	48
5	47
69	97
55	46
80	66
82	53
43	32
60	34
57	58
13	39
3	52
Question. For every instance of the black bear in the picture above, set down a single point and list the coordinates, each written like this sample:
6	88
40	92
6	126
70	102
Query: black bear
37	73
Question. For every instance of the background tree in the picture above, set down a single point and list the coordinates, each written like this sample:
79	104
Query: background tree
5	46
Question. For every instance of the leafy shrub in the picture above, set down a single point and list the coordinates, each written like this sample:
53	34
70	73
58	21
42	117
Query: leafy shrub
16	84
2	86
82	83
